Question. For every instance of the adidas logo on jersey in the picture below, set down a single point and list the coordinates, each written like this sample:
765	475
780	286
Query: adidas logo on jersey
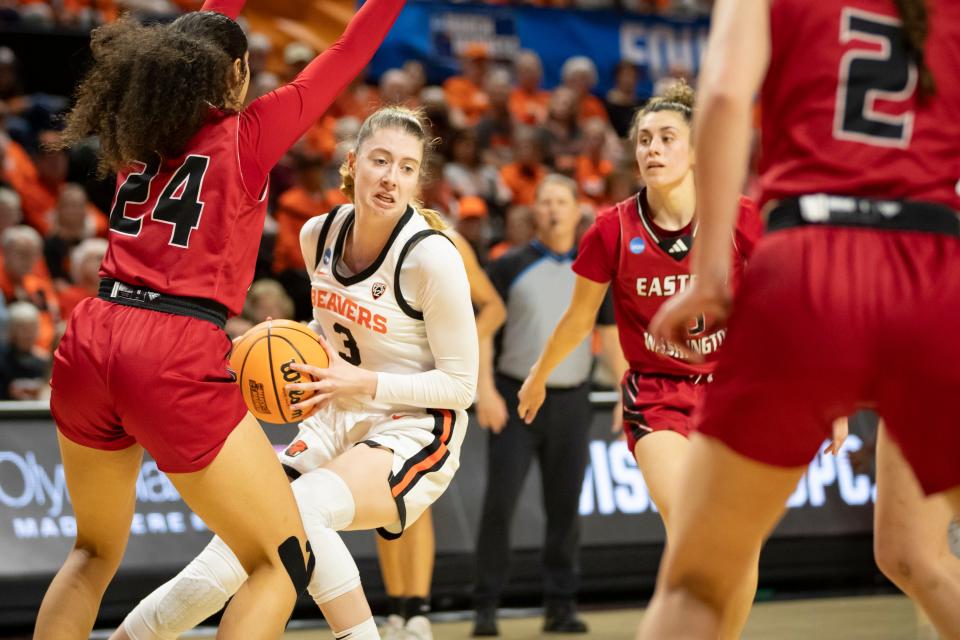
678	247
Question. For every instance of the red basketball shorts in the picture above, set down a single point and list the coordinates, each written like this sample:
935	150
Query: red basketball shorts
123	375
658	403
829	320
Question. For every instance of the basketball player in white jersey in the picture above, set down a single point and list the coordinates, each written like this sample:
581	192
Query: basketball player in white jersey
391	298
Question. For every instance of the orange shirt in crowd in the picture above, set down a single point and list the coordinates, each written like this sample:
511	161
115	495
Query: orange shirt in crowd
529	107
38	291
294	208
592	107
463	94
523	181
591	176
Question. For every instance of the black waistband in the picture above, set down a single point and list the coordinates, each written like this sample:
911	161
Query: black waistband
126	294
848	211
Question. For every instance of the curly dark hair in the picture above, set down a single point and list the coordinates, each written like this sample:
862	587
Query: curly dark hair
150	87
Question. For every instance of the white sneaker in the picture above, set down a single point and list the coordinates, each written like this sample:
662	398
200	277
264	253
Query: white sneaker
393	630
418	628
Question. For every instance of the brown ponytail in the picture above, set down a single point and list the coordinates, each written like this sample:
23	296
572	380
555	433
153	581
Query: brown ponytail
916	28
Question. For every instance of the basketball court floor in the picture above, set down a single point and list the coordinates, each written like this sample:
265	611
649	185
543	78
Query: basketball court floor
857	618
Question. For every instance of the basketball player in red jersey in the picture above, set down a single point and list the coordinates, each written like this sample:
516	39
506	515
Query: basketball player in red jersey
143	366
845	299
640	247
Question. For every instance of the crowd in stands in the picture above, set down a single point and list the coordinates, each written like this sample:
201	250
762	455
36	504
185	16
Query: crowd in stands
84	14
498	131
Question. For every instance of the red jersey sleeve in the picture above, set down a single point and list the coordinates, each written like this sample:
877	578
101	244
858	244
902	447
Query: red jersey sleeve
598	253
229	8
749	227
273	122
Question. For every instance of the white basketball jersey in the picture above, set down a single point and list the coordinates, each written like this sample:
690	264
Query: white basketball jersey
367	317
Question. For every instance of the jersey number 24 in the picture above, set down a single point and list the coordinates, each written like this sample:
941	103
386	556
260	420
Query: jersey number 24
178	205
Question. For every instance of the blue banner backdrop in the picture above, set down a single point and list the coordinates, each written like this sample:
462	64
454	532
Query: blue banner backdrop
437	32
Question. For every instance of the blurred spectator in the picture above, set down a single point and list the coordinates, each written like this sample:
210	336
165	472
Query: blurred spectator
622	99
593	166
621	184
437	112
259	47
579	74
18	170
263	83
24	114
465	93
528	102
435	192
85	262
10	213
526	171
517	231
417	75
296	56
495	130
468	176
72	224
23	367
397	89
20	279
560	133
307	198
473	224
267	299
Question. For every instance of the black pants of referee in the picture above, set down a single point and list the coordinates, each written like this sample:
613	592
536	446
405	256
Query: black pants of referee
558	438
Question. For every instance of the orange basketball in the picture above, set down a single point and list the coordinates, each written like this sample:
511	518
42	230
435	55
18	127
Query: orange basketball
262	360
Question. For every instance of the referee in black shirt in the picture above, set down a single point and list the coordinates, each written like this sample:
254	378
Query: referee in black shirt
536	282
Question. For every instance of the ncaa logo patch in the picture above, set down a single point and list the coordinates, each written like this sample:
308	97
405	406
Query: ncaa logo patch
637	246
296	448
327	255
378	289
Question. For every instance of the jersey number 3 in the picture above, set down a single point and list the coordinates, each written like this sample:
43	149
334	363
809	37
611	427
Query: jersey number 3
349	343
882	70
178	205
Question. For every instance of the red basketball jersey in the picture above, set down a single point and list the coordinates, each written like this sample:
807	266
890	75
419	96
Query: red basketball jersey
841	110
644	268
189	226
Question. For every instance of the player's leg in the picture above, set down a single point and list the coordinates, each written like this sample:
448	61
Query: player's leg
660	456
351	492
910	541
730	504
102	487
257	518
390	556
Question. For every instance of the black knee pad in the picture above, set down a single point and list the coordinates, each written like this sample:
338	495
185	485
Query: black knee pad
293	561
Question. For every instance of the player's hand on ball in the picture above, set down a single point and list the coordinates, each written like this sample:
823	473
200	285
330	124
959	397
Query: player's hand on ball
491	408
338	380
531	396
701	298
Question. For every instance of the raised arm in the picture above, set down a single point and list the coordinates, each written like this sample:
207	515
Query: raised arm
273	122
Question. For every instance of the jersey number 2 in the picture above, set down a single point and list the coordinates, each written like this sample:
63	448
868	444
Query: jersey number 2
353	353
884	71
178	205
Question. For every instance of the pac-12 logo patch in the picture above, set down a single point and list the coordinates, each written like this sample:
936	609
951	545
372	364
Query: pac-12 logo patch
327	254
637	246
378	289
296	448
